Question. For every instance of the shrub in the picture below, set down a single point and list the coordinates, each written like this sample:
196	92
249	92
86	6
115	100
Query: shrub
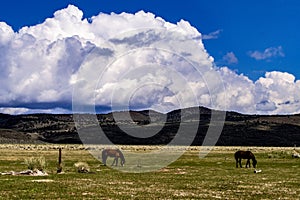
38	163
82	167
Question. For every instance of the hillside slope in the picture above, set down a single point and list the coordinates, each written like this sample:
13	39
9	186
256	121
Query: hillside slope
239	129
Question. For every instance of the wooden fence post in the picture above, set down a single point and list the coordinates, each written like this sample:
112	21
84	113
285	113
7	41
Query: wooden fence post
59	167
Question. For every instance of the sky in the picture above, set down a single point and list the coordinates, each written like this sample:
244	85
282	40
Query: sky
252	45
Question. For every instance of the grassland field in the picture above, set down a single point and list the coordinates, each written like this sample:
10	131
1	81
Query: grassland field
190	177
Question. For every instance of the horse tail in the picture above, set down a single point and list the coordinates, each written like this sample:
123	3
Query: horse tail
104	156
236	156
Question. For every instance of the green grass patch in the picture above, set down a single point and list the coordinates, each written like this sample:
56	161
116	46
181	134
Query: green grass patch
212	177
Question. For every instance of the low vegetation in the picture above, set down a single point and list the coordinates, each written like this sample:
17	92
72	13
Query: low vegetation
212	177
36	163
82	167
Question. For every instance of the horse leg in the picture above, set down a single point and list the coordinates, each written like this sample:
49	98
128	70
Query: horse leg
113	162
237	163
248	163
117	161
104	160
240	162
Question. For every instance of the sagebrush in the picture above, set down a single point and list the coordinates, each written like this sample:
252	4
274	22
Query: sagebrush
36	163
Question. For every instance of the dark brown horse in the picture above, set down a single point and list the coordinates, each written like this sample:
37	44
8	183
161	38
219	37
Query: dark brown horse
115	153
239	155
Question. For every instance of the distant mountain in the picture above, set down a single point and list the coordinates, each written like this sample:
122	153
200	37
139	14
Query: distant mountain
238	130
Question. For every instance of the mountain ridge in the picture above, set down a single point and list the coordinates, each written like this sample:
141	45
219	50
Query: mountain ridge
239	129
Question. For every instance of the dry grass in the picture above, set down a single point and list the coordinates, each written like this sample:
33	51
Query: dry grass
36	163
82	167
212	177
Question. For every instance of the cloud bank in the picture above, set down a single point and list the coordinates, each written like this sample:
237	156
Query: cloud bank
136	61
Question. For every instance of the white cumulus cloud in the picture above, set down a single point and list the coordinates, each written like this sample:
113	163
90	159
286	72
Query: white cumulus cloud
128	60
278	92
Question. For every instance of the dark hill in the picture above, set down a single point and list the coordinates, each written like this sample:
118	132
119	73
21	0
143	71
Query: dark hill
239	129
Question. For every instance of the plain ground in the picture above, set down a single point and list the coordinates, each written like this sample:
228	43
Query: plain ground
190	177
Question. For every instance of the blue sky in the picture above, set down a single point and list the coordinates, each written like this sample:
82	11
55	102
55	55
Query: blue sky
242	26
255	46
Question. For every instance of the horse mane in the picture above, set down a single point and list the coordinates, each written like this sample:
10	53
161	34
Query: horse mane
121	155
252	155
253	158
